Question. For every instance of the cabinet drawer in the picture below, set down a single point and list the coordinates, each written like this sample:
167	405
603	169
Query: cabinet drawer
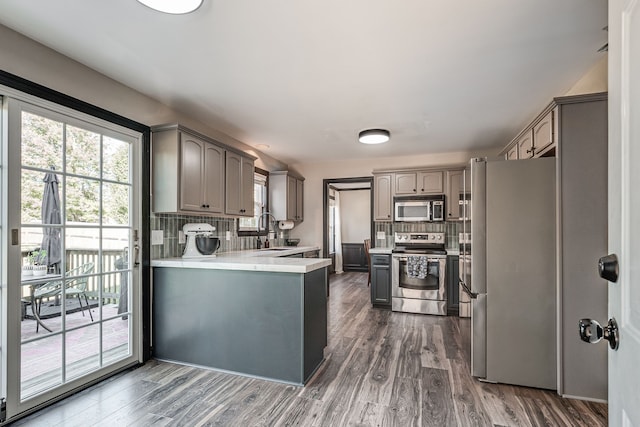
380	259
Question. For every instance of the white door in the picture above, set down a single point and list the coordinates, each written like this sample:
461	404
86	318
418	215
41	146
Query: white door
624	208
72	312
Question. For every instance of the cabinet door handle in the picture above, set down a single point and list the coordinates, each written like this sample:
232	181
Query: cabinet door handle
422	190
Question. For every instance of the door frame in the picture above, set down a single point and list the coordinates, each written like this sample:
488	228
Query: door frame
22	89
326	183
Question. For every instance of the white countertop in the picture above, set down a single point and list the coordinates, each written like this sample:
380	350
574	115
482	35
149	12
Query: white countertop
270	260
380	251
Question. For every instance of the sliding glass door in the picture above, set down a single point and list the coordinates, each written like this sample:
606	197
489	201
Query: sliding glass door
73	287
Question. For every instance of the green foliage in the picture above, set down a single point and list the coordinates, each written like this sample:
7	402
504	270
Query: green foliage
37	257
43	141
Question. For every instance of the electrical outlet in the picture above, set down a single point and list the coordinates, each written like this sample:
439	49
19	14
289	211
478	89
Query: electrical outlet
228	235
157	237
181	237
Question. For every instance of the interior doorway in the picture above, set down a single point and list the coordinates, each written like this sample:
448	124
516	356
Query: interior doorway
347	222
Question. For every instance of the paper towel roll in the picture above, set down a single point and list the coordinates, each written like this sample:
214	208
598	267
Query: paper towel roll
286	225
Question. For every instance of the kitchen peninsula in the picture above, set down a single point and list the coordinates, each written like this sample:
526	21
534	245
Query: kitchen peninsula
256	313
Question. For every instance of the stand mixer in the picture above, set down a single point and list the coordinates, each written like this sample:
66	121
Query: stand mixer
194	231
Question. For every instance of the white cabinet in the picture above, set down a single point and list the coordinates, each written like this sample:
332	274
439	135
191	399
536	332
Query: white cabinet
407	183
239	172
286	196
188	173
383	197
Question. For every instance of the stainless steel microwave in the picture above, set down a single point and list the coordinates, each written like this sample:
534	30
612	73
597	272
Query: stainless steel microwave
418	208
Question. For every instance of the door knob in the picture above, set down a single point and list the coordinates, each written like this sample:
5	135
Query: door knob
592	332
608	267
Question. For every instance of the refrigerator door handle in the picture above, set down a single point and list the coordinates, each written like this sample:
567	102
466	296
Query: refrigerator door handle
466	289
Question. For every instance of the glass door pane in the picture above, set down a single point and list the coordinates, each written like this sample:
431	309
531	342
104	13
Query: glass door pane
76	202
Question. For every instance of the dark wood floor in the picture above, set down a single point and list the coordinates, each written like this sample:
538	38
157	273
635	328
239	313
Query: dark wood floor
381	369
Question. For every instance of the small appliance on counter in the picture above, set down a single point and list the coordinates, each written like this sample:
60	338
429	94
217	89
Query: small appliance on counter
200	243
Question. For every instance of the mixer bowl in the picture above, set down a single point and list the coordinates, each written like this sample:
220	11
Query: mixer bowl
207	245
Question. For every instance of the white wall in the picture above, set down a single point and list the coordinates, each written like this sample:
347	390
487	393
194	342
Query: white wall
30	60
355	215
595	79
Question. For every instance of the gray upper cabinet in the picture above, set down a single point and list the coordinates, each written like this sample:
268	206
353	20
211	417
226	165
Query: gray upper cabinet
286	195
543	134
201	178
445	180
382	197
525	145
455	187
187	173
538	139
239	185
407	183
430	183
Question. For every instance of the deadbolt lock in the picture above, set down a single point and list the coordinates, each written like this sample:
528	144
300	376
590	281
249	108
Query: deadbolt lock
608	268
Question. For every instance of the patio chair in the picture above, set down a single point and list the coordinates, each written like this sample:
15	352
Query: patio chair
74	286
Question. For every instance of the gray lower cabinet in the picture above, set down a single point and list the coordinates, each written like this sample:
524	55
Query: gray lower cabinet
453	286
381	280
353	257
270	325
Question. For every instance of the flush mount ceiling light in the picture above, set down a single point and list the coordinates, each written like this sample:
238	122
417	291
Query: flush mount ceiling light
374	136
176	7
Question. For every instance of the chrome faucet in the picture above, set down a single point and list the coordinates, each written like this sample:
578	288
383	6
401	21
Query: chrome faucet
275	221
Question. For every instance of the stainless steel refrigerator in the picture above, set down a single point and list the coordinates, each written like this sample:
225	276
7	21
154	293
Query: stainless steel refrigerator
510	271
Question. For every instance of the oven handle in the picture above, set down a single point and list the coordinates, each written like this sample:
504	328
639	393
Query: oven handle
468	291
405	258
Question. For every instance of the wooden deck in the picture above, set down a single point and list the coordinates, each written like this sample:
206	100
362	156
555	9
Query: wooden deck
381	369
42	359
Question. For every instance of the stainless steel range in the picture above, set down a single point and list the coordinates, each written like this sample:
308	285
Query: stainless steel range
418	273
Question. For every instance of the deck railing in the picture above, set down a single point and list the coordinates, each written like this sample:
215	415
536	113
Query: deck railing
111	277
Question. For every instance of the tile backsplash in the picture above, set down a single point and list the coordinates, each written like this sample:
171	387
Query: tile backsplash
451	230
171	224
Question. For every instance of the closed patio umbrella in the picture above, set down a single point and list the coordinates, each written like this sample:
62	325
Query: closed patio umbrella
51	214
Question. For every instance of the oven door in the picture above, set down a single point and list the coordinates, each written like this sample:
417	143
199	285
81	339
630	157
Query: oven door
419	277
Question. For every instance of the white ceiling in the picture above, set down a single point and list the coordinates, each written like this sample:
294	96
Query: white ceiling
304	77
